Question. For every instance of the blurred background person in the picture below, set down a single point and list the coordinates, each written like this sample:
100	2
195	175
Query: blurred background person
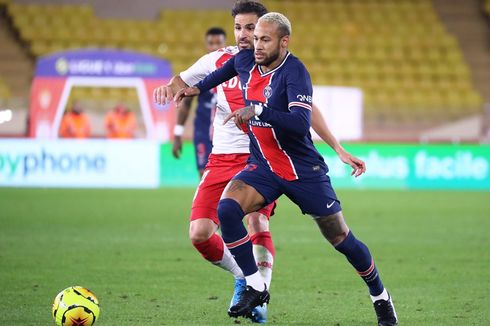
75	123
214	39
120	122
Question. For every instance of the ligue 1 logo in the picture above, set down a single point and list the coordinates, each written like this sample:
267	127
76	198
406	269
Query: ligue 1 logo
268	91
61	66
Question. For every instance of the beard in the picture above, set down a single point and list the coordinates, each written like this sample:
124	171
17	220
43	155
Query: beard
268	59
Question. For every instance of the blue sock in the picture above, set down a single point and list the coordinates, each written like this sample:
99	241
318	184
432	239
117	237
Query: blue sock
358	255
235	235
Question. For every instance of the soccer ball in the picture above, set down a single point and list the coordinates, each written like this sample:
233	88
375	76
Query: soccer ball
75	306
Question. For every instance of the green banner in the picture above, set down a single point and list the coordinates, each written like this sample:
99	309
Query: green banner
389	166
413	166
178	172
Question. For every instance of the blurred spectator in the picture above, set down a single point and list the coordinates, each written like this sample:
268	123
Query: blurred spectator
120	122
75	123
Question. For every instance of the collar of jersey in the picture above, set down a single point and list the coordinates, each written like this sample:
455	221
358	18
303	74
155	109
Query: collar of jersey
273	70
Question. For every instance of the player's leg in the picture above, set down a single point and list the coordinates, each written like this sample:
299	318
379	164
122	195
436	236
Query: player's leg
263	250
242	196
203	235
202	149
204	220
210	245
336	231
319	199
263	246
237	200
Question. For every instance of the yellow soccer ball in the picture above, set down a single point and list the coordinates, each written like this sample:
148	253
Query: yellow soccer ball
76	306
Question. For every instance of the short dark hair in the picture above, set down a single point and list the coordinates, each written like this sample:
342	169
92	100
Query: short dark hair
216	31
248	7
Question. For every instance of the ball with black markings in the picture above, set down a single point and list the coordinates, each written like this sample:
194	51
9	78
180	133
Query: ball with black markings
76	306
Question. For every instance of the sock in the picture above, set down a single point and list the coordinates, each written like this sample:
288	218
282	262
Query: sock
383	296
358	255
263	249
256	281
229	263
235	235
214	251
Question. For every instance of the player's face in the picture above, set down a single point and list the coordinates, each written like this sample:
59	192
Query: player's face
215	42
268	43
244	30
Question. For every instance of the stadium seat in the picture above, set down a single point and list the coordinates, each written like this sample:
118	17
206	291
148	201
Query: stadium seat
388	48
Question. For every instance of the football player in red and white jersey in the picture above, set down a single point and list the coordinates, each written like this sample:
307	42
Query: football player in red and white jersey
229	155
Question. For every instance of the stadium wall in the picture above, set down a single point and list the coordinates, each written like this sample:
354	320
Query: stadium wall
148	164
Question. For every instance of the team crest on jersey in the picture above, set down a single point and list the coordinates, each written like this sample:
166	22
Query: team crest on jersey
268	91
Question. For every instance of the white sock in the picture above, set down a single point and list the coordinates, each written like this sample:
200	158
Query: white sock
228	263
383	296
264	260
256	281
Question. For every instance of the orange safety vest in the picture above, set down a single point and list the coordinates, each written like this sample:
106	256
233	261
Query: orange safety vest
120	125
75	126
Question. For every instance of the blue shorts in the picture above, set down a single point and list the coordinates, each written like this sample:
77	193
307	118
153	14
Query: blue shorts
202	149
313	196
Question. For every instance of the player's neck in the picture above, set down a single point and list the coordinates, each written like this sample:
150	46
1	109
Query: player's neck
273	65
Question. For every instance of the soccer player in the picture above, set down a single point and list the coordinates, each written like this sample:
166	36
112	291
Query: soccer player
230	153
215	38
228	156
283	160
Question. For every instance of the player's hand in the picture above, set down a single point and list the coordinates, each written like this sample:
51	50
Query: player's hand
186	92
241	116
358	165
177	147
164	94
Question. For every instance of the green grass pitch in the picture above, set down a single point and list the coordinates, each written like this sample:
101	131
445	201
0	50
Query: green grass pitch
131	248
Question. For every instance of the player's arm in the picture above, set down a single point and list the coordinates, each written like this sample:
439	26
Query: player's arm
182	115
321	128
219	76
165	93
215	78
200	69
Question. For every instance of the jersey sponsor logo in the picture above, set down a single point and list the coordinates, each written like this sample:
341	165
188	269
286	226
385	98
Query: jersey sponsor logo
232	83
305	98
259	123
268	91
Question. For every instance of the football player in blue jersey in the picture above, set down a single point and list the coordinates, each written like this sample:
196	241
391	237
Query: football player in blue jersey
278	92
215	38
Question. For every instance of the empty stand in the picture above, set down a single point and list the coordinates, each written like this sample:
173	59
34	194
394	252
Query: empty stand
411	69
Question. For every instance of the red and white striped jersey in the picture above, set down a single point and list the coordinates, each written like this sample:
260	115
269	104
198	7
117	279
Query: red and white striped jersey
227	139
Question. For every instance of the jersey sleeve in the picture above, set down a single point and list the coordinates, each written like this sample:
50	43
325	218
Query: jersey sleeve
200	69
299	92
217	77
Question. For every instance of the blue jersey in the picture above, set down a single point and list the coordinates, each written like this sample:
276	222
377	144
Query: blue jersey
206	103
279	137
